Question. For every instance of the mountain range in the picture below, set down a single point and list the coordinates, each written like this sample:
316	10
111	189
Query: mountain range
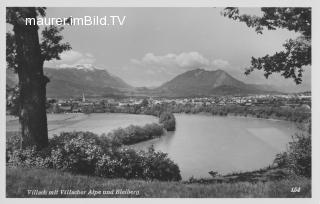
73	81
83	79
93	81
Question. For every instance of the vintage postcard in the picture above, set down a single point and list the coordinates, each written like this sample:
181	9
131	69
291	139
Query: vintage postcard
158	102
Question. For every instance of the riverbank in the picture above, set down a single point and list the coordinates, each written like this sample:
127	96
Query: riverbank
98	123
255	183
19	180
254	143
271	173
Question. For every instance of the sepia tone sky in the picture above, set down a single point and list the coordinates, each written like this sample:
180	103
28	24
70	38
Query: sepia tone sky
156	44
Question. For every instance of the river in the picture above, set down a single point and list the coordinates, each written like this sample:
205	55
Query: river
201	143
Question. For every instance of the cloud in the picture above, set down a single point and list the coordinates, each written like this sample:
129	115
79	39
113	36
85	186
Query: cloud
153	70
71	58
220	63
183	60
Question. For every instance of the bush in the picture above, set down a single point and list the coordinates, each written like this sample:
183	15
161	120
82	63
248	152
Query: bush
134	134
148	165
297	158
168	120
29	157
159	166
78	152
89	154
12	143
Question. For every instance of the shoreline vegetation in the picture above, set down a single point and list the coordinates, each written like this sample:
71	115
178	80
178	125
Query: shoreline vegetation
87	155
294	114
71	165
105	155
134	134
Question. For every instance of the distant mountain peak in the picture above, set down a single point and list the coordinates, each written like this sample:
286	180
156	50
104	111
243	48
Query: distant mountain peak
85	67
203	70
197	70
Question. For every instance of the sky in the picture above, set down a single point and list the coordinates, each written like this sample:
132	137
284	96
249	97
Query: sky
156	44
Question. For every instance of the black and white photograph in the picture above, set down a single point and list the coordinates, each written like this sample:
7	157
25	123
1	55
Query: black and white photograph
158	102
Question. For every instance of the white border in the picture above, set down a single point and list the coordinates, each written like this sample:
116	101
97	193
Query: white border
176	3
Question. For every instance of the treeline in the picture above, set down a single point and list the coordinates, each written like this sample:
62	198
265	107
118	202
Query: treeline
294	114
90	154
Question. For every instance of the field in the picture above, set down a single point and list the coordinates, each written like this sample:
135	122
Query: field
19	180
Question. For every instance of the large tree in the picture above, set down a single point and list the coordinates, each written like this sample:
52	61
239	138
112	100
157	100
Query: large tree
26	56
290	62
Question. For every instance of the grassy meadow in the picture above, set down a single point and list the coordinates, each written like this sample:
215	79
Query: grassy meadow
19	180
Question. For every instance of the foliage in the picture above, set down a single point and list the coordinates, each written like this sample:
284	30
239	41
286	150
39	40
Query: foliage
292	19
51	44
12	100
271	108
297	53
89	154
168	120
297	158
144	103
29	157
76	152
14	15
276	111
128	163
12	143
134	133
11	51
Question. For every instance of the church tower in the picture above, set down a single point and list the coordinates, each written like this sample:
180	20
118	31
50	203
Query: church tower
83	98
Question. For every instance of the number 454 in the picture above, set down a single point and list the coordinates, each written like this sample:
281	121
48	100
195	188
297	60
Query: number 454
295	189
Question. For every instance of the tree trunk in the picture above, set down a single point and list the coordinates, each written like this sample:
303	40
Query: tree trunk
32	83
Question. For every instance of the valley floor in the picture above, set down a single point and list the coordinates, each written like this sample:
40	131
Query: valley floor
20	180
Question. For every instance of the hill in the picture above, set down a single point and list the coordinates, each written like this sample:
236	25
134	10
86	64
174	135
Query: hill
201	82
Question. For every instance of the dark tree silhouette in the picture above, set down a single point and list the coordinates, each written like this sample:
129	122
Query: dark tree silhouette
289	63
26	56
144	102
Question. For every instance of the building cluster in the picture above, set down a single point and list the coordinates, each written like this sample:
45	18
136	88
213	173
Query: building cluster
99	105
